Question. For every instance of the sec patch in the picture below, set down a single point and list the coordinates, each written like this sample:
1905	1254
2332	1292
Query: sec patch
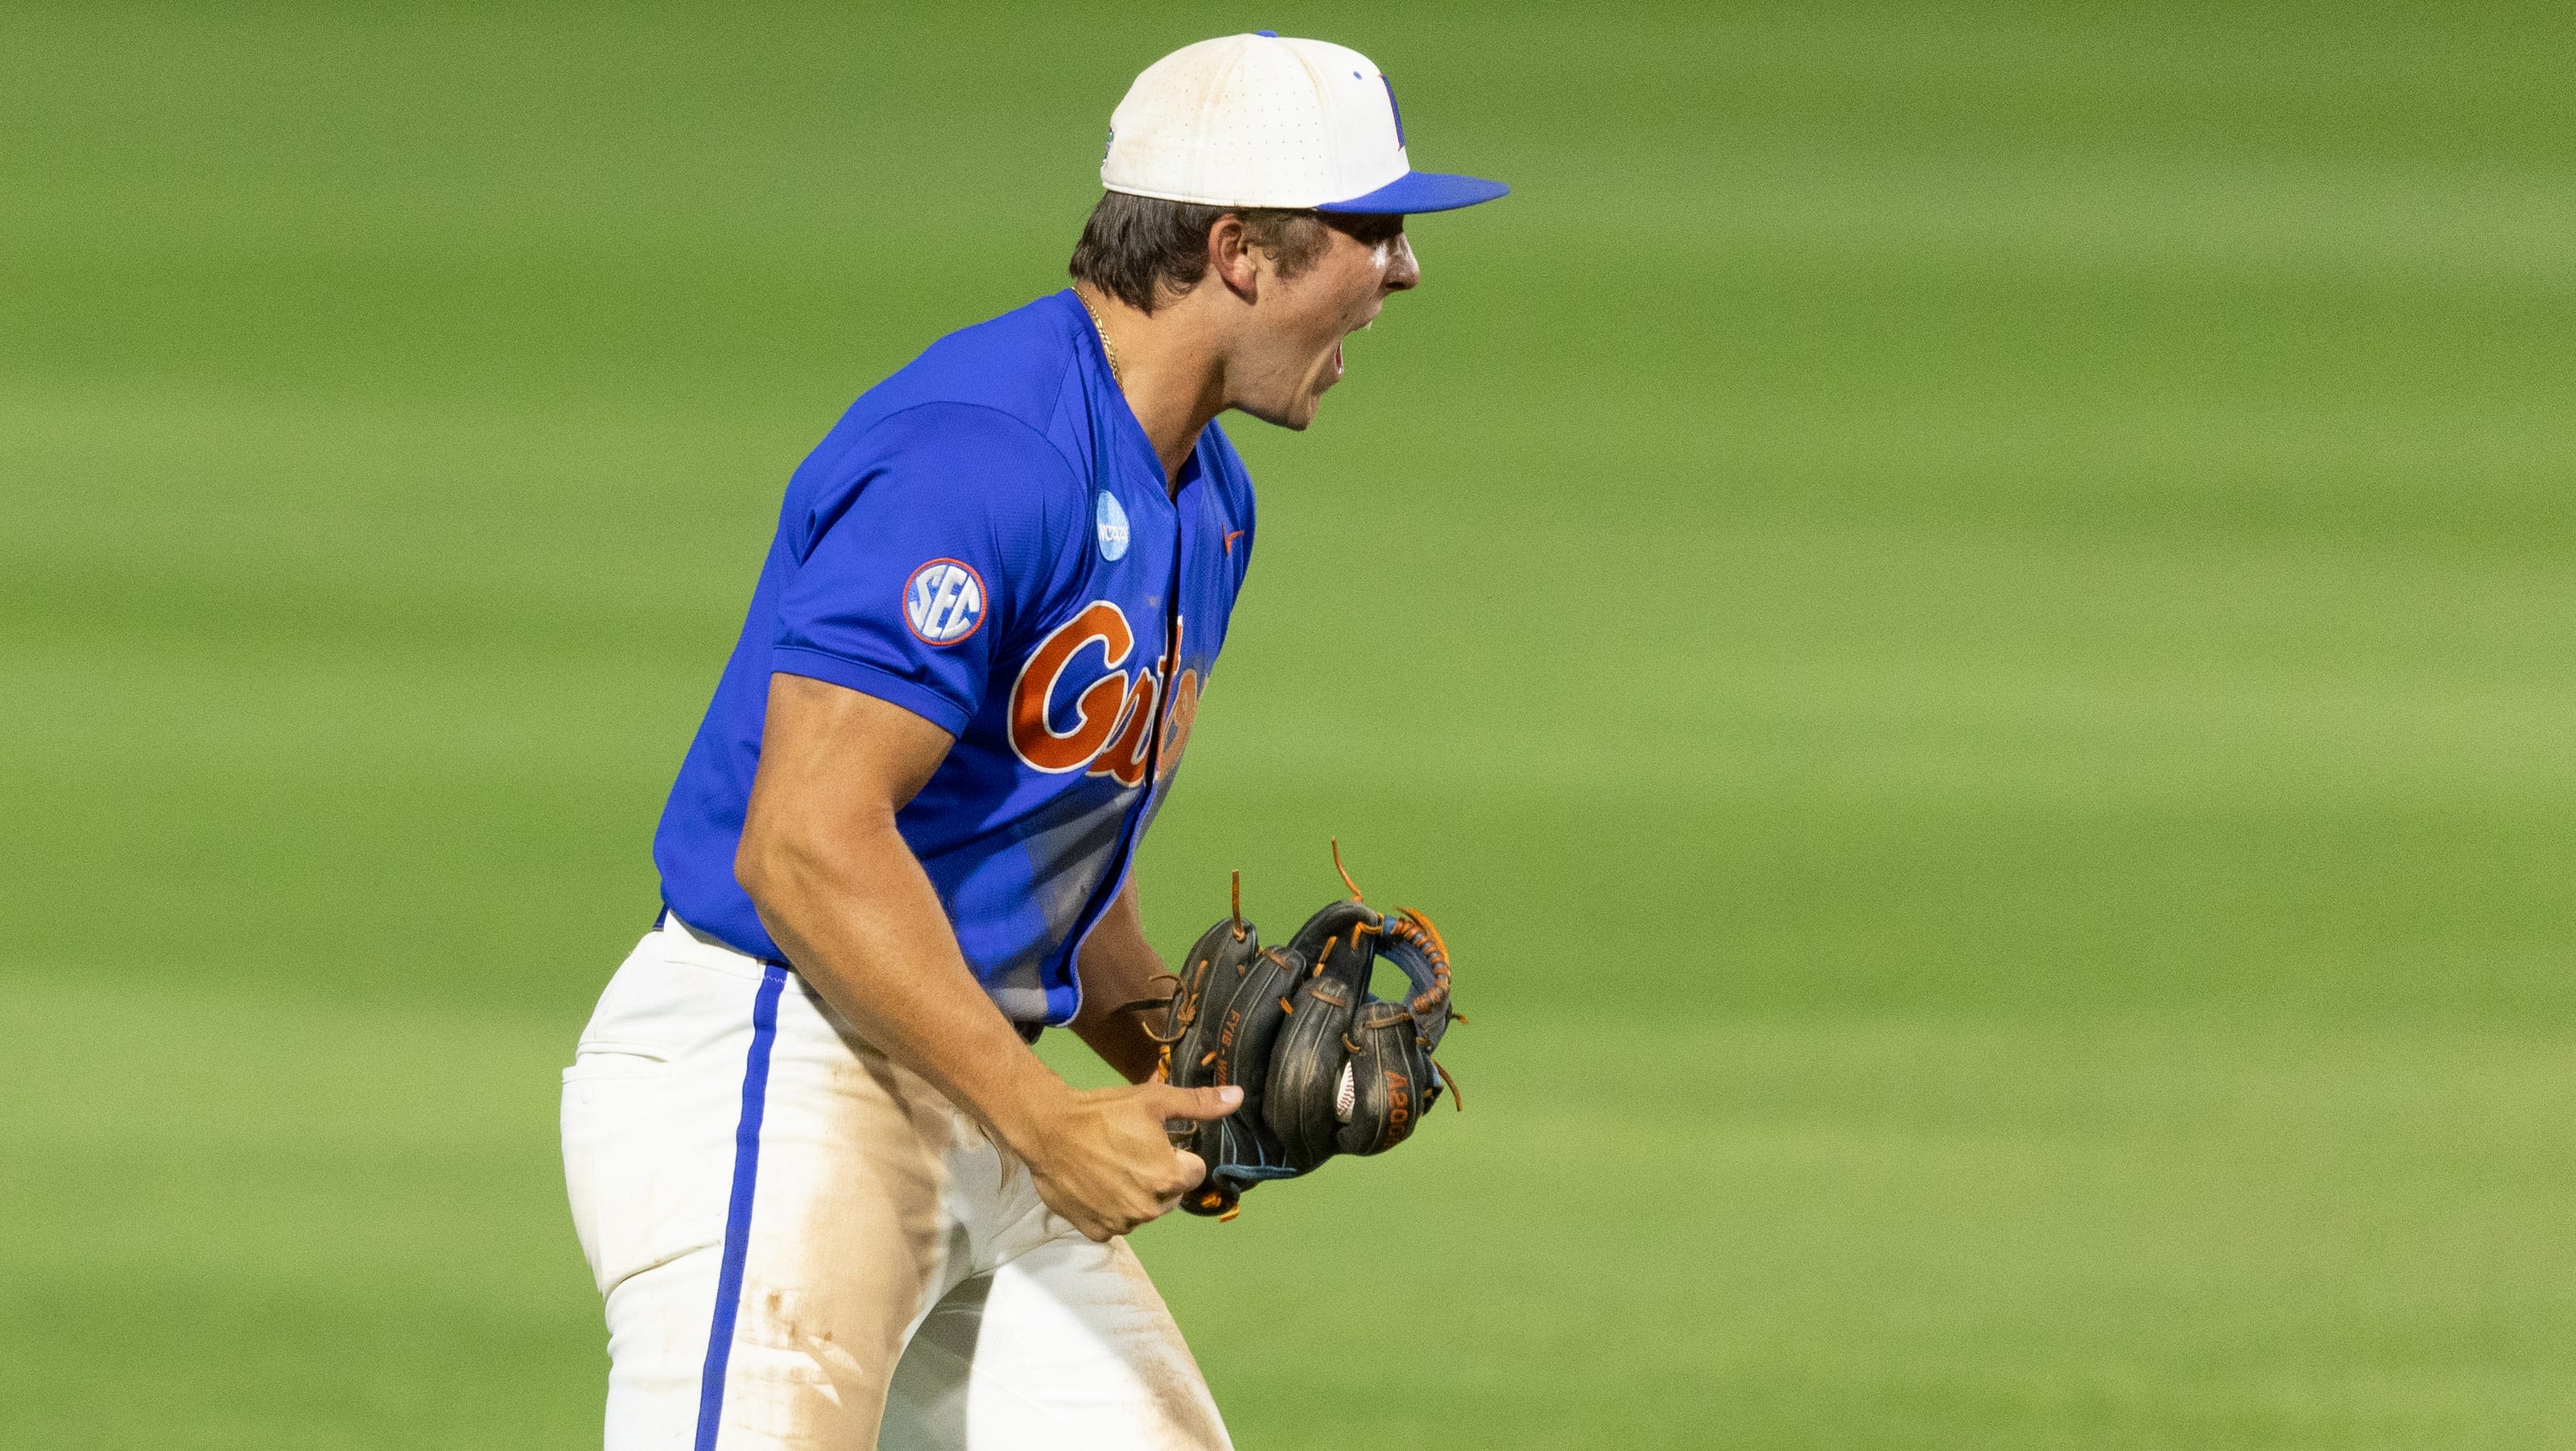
944	602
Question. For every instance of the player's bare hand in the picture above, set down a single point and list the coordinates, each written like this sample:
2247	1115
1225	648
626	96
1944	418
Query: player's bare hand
1105	1163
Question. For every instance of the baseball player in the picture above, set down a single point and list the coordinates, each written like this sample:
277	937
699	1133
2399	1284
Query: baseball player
831	1196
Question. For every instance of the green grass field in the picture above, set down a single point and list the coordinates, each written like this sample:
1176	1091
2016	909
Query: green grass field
1965	614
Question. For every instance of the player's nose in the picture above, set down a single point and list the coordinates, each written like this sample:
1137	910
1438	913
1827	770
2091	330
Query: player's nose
1403	272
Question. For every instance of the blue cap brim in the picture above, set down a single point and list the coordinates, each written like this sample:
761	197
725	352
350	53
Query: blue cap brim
1422	191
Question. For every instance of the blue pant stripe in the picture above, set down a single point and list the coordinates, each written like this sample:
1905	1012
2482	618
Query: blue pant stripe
746	1172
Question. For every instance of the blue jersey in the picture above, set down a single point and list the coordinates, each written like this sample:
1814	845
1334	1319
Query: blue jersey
986	539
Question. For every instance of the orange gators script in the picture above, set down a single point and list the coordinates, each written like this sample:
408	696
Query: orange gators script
1115	717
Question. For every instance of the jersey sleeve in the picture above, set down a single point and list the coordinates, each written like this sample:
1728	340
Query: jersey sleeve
921	558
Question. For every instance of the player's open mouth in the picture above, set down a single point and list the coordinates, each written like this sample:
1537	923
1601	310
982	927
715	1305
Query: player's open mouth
1335	365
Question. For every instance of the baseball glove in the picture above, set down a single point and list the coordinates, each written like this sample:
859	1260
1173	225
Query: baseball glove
1326	1067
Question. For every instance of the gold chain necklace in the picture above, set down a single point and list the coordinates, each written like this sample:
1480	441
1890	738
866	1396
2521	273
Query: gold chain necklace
1108	349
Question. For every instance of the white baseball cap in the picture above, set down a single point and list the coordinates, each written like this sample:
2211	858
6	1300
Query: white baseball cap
1261	121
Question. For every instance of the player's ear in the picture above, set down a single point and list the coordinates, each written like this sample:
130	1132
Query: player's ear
1232	257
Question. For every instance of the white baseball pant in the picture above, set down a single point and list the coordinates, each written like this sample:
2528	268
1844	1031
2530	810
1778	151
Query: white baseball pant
805	1246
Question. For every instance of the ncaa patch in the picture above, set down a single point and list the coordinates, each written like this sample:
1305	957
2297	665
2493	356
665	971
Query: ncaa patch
1112	519
944	602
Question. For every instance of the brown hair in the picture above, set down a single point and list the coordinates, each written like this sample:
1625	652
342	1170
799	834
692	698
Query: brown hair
1145	251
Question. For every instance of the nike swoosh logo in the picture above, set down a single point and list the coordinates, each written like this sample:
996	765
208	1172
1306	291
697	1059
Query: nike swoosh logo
1231	536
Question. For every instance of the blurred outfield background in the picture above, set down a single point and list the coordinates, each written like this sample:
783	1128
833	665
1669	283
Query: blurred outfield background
1964	612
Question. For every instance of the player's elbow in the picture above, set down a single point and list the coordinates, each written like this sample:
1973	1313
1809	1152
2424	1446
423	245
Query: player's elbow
791	862
755	866
775	865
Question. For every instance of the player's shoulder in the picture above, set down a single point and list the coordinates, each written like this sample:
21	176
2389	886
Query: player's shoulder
974	423
1015	365
995	387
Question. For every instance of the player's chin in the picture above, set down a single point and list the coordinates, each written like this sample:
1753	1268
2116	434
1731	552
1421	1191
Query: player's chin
1294	407
1311	397
1294	414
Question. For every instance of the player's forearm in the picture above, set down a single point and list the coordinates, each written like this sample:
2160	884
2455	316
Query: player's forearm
1120	967
857	917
